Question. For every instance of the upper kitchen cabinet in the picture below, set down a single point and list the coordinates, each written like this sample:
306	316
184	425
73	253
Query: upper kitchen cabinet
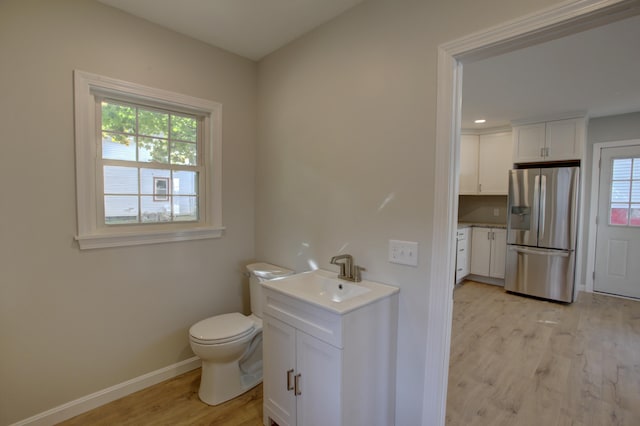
485	161
559	140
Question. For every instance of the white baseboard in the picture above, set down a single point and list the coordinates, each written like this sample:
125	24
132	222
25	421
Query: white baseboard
94	400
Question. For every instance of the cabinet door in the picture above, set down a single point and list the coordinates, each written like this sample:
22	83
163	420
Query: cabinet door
495	159
498	253
278	357
480	251
468	164
528	143
564	139
319	387
463	257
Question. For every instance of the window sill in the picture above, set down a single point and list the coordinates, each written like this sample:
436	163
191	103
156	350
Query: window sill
94	241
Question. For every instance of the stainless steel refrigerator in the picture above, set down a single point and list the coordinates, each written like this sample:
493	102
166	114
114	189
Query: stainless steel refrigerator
541	232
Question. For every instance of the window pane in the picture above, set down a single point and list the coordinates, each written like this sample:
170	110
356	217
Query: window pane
621	169
620	192
147	179
183	153
154	150
120	180
118	147
634	216
183	128
118	118
153	123
185	208
619	214
120	209
636	168
185	183
155	211
635	192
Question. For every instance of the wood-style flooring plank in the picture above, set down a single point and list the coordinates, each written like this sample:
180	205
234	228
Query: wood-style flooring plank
175	402
521	361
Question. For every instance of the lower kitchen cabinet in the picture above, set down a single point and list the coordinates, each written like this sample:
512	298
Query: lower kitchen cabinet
463	255
325	368
488	252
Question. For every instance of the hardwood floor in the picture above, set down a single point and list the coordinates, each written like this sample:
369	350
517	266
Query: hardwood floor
175	402
522	361
515	361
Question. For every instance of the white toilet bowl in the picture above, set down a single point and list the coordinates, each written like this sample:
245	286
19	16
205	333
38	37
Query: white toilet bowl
230	345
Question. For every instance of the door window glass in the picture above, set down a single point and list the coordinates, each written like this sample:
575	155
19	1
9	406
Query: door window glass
624	204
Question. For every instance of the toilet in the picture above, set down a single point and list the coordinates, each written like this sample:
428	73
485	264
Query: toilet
230	345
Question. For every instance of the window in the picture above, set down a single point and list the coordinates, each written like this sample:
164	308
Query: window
624	206
148	164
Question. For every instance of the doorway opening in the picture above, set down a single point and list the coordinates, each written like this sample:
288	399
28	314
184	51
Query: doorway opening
558	21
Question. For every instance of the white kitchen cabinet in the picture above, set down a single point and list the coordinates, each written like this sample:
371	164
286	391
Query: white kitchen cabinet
325	368
463	256
559	140
485	161
469	145
488	252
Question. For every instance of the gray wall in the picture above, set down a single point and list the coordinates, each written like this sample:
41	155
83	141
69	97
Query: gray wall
603	129
74	322
346	147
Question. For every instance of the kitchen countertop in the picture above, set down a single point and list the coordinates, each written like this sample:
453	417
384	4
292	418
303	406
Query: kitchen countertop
462	225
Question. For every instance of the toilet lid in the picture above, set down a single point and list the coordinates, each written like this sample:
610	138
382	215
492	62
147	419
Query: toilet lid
221	328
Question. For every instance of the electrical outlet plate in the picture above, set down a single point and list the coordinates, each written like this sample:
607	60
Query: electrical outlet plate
403	252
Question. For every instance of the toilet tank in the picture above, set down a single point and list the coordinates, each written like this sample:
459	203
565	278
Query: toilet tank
259	272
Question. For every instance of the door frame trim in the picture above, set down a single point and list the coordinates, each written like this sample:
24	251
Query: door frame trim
565	18
593	205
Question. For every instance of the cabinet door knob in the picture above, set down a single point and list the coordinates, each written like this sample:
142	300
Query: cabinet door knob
296	384
289	384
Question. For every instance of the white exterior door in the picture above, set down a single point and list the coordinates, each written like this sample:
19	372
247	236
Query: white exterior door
617	263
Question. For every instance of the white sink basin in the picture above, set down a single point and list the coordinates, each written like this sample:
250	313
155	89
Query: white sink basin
324	289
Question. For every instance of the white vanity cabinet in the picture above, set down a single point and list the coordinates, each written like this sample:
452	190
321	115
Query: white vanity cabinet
559	140
488	252
328	368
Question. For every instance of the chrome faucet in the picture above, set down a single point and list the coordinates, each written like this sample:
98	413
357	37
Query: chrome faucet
348	270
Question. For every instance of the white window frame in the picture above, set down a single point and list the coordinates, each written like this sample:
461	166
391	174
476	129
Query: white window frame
92	232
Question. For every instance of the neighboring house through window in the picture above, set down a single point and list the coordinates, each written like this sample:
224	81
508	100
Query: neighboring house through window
148	164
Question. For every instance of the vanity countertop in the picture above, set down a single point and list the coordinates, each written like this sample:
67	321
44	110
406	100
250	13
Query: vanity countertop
462	225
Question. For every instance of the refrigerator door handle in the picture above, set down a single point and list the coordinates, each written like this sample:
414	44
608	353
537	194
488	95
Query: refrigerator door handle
542	205
540	252
536	207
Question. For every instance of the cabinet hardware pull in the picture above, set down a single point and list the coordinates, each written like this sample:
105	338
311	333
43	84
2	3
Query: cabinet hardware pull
289	385
296	384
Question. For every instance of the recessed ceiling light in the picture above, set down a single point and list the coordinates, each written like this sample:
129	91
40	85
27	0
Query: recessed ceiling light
480	121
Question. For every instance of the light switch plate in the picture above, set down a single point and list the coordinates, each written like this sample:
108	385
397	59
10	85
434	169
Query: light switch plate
403	252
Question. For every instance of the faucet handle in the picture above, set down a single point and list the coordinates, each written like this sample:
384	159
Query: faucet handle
357	277
346	266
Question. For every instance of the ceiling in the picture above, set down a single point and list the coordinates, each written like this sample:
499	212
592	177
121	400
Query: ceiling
249	28
595	71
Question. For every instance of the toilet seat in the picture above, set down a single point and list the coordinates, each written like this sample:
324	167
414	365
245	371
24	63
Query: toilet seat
221	329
